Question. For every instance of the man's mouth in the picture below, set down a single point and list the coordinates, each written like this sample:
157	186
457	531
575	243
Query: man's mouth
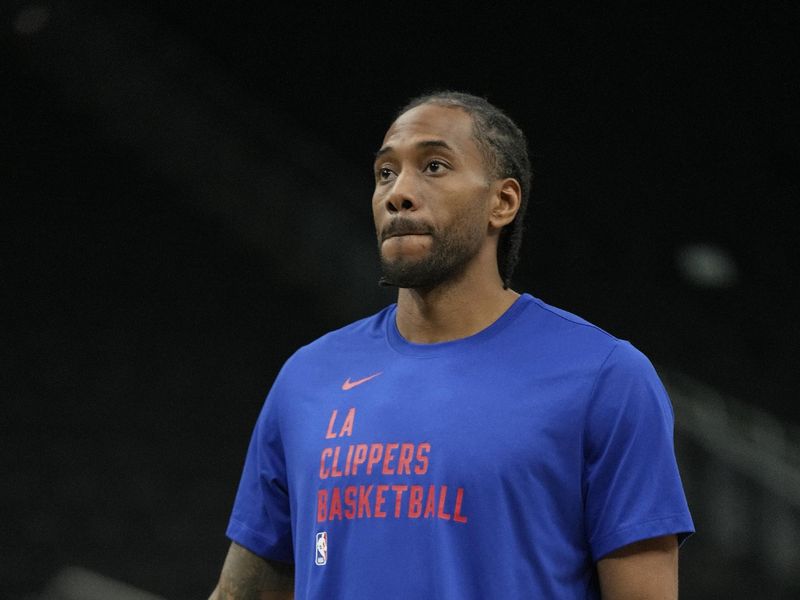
403	228
404	234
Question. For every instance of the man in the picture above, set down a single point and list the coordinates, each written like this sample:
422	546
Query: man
469	441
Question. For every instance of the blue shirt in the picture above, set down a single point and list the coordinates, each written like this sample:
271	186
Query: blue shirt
501	465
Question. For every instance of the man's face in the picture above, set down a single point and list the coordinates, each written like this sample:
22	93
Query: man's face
431	200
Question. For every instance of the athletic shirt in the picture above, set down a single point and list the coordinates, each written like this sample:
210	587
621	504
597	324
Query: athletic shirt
501	465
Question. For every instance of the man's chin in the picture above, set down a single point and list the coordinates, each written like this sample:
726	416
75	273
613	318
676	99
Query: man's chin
410	274
402	261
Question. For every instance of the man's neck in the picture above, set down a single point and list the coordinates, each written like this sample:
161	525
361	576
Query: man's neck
451	311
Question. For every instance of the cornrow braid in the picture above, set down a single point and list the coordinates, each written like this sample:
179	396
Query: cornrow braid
505	151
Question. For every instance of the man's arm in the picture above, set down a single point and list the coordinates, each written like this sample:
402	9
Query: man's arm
645	570
246	576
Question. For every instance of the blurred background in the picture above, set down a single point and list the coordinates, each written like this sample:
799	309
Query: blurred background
186	200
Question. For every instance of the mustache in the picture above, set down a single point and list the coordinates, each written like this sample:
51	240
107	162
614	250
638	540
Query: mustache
405	226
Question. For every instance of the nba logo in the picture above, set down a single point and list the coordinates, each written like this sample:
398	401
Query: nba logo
322	548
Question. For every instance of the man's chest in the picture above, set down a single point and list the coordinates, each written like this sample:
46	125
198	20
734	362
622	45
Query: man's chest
429	440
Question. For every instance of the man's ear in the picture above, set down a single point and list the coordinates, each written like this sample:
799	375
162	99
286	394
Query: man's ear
505	202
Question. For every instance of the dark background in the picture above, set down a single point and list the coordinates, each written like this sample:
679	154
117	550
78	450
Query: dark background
186	192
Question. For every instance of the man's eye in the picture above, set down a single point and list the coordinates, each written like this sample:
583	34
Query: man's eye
435	166
384	173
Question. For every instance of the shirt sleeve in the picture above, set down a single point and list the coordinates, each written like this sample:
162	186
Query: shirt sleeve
261	520
632	487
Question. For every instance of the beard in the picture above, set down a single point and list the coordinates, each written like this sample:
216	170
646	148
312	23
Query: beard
450	253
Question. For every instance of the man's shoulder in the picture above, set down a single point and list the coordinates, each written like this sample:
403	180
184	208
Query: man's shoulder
360	333
333	355
564	318
573	338
574	341
550	321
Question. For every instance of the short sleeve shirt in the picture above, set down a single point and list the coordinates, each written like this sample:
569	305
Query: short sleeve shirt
501	465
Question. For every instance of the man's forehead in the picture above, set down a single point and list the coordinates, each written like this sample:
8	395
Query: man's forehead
450	124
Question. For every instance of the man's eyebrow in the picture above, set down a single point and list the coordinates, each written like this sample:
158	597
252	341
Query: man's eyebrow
422	144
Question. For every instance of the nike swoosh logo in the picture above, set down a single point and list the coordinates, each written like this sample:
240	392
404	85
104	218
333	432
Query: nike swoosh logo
349	385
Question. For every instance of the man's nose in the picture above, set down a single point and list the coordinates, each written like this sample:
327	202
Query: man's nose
404	195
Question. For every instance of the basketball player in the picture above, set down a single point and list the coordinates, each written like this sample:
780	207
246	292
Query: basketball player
467	442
